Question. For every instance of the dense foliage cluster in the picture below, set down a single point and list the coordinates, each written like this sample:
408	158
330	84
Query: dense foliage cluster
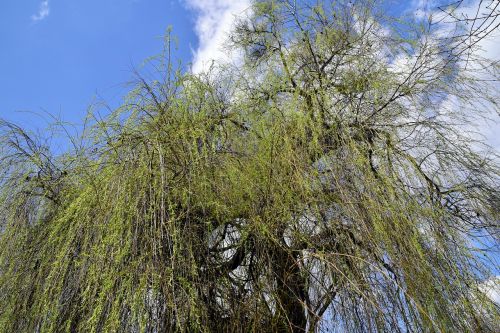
328	182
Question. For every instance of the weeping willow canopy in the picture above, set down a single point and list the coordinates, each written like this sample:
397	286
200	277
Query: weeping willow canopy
328	181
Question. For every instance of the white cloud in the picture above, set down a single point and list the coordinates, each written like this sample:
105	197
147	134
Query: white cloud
491	288
43	11
422	8
488	47
214	21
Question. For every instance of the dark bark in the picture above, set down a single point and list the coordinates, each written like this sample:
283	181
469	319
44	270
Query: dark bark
291	291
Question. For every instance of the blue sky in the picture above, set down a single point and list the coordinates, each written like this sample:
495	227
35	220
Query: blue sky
57	55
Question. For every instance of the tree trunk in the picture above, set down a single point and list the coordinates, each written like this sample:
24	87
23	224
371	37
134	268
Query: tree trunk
291	292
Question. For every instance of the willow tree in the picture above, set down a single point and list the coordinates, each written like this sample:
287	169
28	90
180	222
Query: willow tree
330	182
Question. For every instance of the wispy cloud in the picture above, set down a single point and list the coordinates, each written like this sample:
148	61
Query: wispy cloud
488	47
43	11
214	21
422	8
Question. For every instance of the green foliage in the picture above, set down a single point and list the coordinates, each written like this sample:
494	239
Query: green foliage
308	191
